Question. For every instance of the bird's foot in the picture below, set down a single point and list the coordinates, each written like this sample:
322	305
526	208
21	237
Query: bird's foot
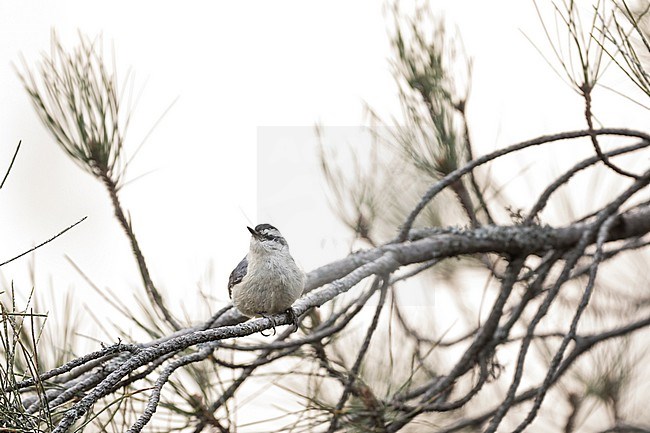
270	317
293	317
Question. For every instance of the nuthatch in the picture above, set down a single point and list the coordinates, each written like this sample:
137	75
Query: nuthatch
267	281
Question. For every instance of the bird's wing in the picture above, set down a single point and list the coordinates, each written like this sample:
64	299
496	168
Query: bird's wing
237	275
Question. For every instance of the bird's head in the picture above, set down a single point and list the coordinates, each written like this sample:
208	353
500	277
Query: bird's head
267	238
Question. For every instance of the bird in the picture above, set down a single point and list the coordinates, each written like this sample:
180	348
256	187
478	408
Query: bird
267	281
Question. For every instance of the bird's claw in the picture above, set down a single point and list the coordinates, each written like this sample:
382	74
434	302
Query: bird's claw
270	317
292	316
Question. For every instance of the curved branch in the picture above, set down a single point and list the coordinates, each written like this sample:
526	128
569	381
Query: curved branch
457	174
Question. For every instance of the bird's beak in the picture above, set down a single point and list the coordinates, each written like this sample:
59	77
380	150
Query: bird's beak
253	232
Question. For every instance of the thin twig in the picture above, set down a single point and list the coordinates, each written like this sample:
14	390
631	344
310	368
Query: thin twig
11	164
586	93
354	371
44	242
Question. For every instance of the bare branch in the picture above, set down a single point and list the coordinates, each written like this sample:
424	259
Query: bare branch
43	243
11	164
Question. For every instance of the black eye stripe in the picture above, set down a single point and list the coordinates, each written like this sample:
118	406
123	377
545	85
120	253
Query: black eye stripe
270	237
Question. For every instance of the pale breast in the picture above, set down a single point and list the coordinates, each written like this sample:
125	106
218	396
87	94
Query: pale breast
270	286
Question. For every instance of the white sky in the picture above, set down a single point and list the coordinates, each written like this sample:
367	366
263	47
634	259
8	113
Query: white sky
235	67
